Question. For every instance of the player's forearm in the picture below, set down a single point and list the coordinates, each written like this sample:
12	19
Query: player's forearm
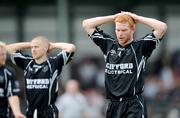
11	48
90	24
64	46
158	26
15	105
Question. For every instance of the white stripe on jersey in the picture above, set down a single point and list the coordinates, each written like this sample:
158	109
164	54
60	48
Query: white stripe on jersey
54	114
8	111
105	58
5	76
150	38
141	105
136	65
35	113
141	65
13	55
101	37
9	89
49	66
135	57
98	35
54	76
65	57
27	67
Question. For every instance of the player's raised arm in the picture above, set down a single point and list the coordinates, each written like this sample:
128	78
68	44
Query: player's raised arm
11	48
68	47
159	27
90	24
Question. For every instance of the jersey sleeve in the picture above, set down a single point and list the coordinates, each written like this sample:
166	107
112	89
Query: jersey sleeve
101	39
150	42
20	60
62	58
13	88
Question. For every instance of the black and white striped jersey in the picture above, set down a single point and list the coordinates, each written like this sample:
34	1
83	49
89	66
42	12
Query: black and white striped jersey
41	80
9	86
124	65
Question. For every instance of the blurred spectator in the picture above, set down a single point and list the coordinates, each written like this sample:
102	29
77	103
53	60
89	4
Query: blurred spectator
151	87
175	62
167	78
87	71
96	104
174	94
72	104
100	78
173	113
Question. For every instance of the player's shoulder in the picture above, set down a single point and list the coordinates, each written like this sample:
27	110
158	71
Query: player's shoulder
60	53
22	54
136	41
10	70
148	36
99	33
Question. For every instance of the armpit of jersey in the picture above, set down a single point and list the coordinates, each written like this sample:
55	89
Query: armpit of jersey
67	56
99	34
20	60
151	37
149	43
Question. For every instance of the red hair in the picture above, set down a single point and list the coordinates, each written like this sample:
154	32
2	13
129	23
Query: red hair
125	18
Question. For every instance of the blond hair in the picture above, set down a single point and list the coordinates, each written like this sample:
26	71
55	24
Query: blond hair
42	39
125	18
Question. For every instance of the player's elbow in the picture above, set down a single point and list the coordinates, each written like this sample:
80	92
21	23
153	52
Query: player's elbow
72	48
163	28
10	49
88	26
84	24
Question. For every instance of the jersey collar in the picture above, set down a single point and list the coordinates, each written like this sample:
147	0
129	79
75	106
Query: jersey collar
127	45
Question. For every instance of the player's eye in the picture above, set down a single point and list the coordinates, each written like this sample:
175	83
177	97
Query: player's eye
124	30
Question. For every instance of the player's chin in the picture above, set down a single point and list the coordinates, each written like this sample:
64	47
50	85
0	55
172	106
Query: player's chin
3	63
121	40
34	56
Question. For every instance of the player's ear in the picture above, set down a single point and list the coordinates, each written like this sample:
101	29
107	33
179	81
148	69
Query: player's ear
48	49
133	28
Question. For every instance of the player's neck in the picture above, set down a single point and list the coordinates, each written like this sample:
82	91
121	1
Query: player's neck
41	60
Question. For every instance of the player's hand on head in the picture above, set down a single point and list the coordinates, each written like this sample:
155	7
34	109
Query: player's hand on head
50	47
118	14
133	15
